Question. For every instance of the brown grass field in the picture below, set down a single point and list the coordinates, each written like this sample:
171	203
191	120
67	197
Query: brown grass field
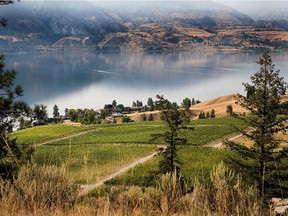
219	104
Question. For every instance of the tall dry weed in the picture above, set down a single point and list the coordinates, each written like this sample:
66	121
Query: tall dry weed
47	191
227	194
38	188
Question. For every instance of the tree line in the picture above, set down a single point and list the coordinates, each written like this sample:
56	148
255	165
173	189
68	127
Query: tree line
91	116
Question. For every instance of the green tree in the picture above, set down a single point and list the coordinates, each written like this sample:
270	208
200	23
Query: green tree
11	154
139	103
186	103
213	114
229	110
103	114
264	162
3	21
174	122
193	101
126	119
120	108
151	118
202	115
150	104
56	113
40	112
114	104
66	112
143	117
89	116
23	124
250	91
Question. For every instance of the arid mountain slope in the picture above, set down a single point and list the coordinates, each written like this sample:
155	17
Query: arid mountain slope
145	26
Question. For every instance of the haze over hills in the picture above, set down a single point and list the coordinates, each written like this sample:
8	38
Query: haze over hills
261	10
148	26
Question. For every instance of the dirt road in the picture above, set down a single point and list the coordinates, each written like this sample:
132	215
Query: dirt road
65	137
89	187
219	144
85	189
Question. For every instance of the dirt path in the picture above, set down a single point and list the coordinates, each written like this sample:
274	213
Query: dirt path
65	137
85	189
219	143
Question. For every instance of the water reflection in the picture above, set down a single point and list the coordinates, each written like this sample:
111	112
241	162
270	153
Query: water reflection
79	80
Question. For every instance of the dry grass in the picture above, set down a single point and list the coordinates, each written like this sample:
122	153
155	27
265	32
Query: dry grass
37	189
43	191
219	104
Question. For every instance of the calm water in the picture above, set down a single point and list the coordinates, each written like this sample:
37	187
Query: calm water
89	80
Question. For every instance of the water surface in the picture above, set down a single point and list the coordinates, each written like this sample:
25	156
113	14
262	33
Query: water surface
90	80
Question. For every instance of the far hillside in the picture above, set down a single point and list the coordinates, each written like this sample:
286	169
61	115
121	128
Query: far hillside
219	104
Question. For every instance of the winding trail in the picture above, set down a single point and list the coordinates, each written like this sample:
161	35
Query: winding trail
219	144
65	137
86	188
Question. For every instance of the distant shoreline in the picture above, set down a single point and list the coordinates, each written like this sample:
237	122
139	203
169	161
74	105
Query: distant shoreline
164	50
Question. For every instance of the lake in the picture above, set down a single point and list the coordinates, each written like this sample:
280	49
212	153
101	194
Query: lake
90	80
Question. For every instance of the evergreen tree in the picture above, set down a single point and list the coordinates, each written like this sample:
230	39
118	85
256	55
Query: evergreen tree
264	162
114	104
186	103
11	154
193	102
3	21
202	115
213	114
143	117
174	122
66	112
229	110
56	113
150	104
150	118
40	112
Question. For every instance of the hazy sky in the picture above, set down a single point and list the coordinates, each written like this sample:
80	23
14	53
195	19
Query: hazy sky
257	9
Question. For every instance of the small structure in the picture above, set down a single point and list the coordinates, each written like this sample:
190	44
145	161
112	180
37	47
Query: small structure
117	115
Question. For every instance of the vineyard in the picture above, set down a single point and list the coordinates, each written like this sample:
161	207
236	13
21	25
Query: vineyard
102	149
48	132
196	163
